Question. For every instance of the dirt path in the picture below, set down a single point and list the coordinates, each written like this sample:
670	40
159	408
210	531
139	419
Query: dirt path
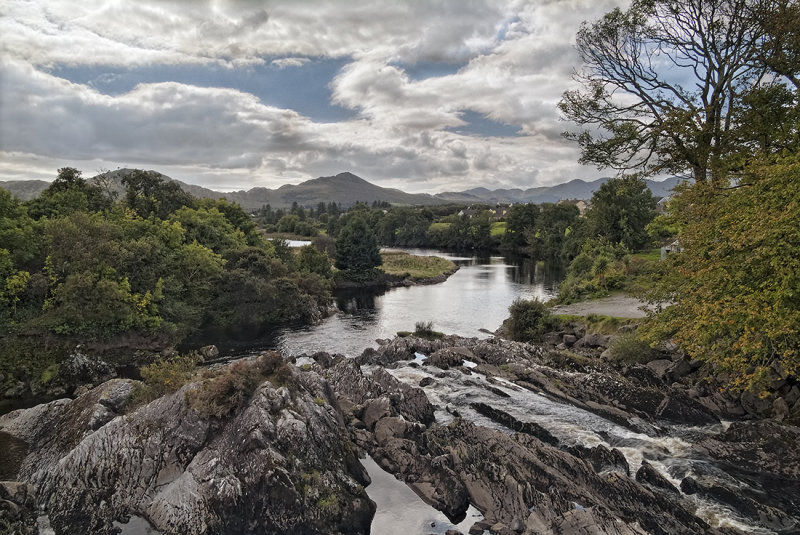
616	305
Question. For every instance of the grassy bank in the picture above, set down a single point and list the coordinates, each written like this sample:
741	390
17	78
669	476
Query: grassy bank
417	267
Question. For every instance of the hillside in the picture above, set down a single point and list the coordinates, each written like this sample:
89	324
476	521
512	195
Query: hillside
347	188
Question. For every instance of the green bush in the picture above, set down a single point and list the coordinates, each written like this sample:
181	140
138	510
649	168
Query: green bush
529	321
627	348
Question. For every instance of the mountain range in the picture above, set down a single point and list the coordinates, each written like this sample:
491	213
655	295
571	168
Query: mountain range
347	189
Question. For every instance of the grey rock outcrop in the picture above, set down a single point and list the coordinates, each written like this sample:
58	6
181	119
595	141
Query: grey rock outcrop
281	463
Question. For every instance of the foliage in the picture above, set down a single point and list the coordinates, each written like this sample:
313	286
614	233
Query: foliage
357	248
232	387
158	265
734	287
551	229
665	81
163	377
599	269
529	320
424	329
627	348
620	211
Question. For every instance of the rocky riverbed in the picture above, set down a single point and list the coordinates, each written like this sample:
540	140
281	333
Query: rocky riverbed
538	440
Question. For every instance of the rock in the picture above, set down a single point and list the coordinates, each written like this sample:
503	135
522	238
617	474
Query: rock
593	340
792	396
760	447
80	369
569	340
17	389
601	458
755	405
426	381
18	509
780	409
512	423
680	368
208	352
280	463
652	478
764	514
659	367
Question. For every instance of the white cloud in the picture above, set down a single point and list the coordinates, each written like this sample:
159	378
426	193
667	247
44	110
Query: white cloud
516	59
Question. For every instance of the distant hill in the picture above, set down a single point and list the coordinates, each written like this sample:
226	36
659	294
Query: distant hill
574	189
347	189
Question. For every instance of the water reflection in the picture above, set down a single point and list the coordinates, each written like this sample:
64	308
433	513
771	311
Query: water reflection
476	297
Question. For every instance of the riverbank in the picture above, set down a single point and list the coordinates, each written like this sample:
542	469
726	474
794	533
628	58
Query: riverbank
619	305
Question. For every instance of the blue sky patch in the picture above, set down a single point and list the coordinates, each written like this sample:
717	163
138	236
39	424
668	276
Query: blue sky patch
301	88
479	125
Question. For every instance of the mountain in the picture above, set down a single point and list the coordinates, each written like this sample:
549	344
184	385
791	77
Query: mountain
347	188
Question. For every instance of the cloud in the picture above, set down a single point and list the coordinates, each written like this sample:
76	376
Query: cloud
289	62
515	59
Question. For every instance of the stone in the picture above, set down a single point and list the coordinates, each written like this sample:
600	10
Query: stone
780	409
659	367
651	477
426	381
570	339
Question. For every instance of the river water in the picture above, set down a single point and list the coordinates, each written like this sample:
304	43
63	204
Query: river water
475	297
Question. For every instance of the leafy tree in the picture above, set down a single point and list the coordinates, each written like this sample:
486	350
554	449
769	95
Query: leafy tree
521	217
620	211
551	230
356	247
67	194
662	80
150	195
735	287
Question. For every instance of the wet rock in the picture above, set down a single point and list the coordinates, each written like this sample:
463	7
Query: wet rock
569	340
764	514
679	369
755	405
649	476
761	447
512	423
426	381
18	508
449	357
601	458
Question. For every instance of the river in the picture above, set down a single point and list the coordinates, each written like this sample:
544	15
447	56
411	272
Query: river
475	299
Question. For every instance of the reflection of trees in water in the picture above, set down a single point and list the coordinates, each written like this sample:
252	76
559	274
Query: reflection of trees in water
530	271
355	301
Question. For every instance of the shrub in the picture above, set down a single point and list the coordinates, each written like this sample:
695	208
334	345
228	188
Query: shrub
163	377
627	348
529	321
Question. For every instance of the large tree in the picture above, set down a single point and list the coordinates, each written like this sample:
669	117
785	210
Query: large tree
356	247
663	80
621	209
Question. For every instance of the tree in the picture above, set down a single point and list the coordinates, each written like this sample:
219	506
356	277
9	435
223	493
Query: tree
620	211
662	80
356	247
735	287
150	195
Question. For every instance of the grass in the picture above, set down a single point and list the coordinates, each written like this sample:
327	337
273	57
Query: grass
651	255
498	229
439	227
417	267
597	323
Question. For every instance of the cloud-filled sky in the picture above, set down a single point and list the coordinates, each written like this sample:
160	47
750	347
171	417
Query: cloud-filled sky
421	95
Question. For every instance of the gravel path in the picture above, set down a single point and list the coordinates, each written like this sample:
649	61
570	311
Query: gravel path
616	305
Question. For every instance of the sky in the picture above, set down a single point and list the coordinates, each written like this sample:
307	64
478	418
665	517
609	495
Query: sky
425	96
